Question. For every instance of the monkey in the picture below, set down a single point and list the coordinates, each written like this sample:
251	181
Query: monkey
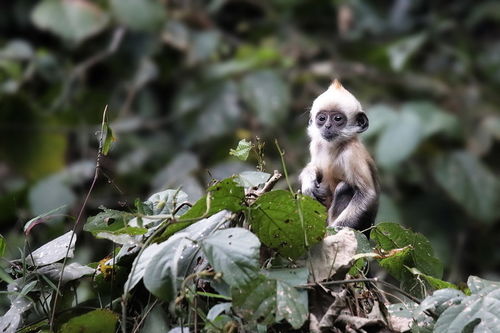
341	174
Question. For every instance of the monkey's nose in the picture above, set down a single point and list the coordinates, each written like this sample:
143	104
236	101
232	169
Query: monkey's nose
328	125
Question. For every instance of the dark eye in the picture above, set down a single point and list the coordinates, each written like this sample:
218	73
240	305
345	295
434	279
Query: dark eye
337	118
321	118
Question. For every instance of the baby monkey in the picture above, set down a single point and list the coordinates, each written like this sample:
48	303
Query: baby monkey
341	174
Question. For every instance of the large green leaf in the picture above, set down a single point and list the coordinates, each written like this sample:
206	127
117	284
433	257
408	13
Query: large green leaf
53	251
389	236
143	15
109	220
73	20
476	284
267	95
267	300
233	252
162	272
415	251
166	202
97	321
224	195
175	255
441	300
476	313
256	300
434	282
470	183
289	305
275	219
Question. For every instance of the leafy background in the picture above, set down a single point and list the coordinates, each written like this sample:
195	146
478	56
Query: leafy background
184	81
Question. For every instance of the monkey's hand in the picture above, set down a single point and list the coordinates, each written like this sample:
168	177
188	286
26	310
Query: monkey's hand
322	192
313	186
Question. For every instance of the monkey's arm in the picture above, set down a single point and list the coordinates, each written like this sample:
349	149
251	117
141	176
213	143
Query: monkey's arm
312	185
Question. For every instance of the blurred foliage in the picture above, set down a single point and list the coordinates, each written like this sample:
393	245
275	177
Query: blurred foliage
185	80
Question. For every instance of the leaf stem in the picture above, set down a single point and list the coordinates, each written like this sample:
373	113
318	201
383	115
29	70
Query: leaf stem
80	213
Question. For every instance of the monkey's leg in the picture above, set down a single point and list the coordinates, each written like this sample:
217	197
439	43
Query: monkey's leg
360	211
341	198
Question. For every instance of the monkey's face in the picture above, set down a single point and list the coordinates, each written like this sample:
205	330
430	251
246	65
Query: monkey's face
336	115
333	124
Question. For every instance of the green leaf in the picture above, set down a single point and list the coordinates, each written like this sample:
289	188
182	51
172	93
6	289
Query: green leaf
434	282
289	305
4	276
203	46
381	116
142	15
478	313
476	284
276	221
162	280
97	321
292	276
441	300
435	119
224	195
469	183
74	20
242	151
41	219
265	301
249	179
3	246
166	202
233	252
220	112
157	321
108	140
401	51
53	251
399	140
107	221
292	303
417	252
267	95
256	301
162	272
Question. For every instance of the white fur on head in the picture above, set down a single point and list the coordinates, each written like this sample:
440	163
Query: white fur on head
336	97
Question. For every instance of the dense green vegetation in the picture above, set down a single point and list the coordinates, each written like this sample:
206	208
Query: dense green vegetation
184	81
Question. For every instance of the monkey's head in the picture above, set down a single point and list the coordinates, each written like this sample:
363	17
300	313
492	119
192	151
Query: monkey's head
336	115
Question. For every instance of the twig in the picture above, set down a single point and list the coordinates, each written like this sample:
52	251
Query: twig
126	287
268	186
297	198
366	280
145	316
256	192
282	156
80	213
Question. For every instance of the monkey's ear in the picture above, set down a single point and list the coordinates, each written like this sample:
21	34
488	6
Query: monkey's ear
336	84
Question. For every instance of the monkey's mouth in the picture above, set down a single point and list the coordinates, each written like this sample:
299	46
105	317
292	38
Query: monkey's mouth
328	136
